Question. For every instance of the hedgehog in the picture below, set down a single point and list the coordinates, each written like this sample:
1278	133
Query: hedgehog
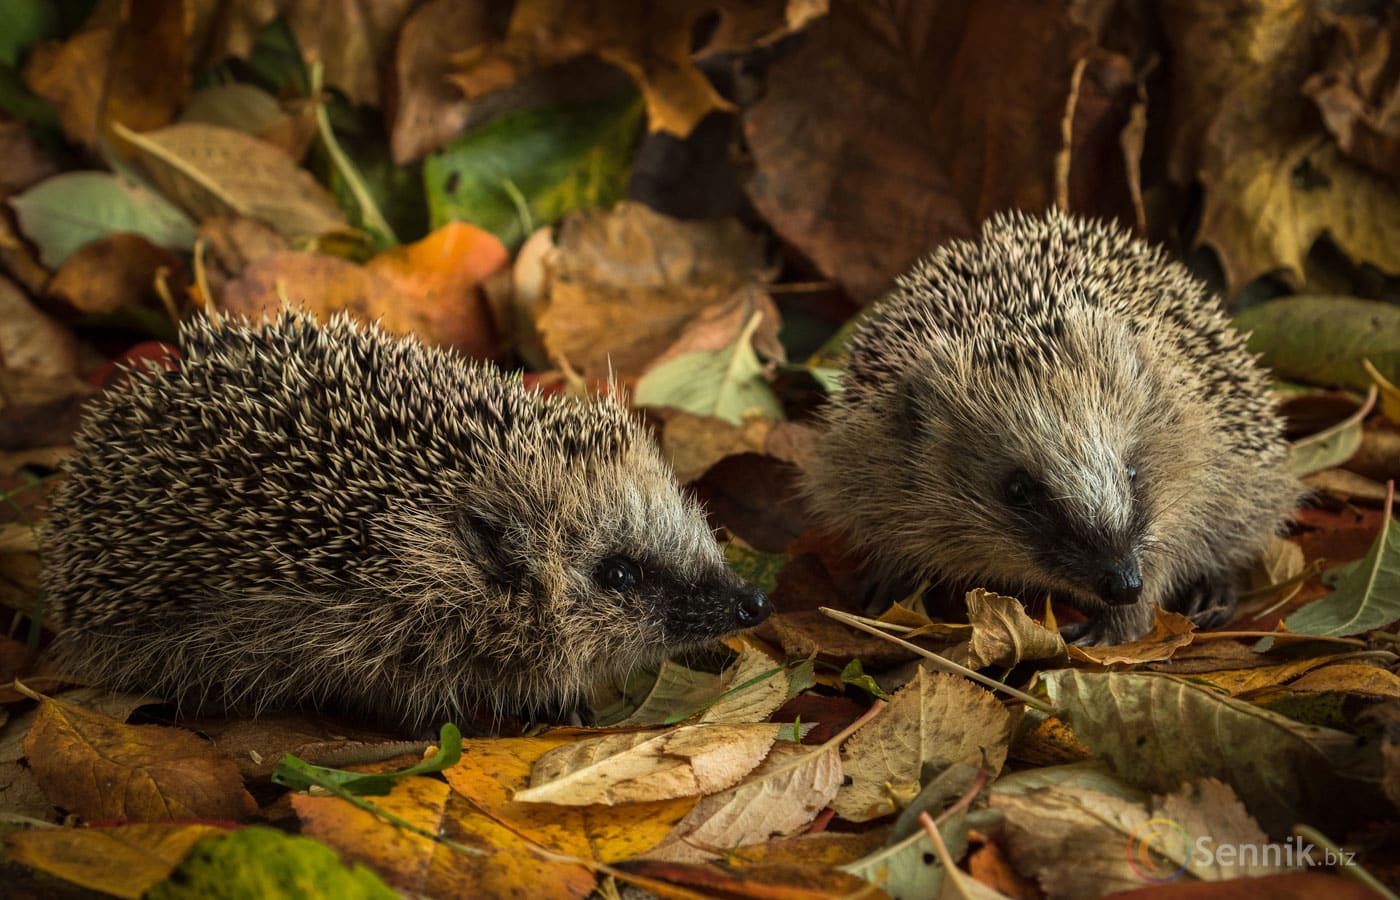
338	518
1055	409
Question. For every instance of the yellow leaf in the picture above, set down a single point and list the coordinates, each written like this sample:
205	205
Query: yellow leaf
124	860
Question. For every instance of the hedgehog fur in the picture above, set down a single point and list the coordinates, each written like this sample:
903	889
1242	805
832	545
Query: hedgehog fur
335	517
1055	408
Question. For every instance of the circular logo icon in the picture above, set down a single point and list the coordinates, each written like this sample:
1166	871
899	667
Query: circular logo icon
1154	848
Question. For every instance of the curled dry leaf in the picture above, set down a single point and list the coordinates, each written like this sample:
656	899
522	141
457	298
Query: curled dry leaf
415	864
1170	632
99	768
125	860
690	761
934	721
209	170
783	795
1003	634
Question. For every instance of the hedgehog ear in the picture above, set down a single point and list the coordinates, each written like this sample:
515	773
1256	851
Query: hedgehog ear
491	548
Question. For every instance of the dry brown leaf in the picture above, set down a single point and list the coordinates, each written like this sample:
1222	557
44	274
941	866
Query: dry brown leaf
689	761
782	796
1047	741
352	39
692	443
1273	181
427	109
32	345
93	765
804	880
128	66
934	721
421	866
23	161
624	284
1170	632
125	860
754	702
651	41
209	171
115	272
807	632
1357	92
895	127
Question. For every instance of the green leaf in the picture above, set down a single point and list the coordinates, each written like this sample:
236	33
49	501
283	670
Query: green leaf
257	862
529	168
63	213
26	23
1322	339
759	569
300	775
854	674
727	383
1367	594
1332	446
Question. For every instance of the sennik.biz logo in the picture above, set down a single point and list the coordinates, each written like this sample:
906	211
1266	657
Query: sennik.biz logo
1159	850
1154	848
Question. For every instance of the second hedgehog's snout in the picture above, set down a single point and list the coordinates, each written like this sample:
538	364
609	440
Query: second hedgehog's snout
750	607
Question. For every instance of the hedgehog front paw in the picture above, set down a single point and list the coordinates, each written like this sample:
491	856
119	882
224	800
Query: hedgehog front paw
1110	625
1209	602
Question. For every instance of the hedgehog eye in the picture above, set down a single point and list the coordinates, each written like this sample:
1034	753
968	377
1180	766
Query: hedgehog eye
1132	473
618	573
1020	488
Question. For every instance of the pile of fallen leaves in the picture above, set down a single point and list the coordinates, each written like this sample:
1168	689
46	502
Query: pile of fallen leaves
690	199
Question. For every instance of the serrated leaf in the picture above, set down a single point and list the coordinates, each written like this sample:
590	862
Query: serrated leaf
727	383
1367	594
63	213
262	862
529	168
1158	732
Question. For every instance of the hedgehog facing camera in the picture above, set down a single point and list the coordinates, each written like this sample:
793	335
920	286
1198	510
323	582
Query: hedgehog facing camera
1056	408
333	517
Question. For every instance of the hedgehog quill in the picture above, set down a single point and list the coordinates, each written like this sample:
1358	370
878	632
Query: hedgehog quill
335	517
1056	407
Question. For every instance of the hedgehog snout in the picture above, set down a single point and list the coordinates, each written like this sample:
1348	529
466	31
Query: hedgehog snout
750	607
1120	582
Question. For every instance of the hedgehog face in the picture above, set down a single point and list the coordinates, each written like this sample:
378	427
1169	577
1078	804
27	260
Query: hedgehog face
608	557
1051	465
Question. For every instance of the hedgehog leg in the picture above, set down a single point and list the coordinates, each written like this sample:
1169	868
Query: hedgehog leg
1209	602
1108	625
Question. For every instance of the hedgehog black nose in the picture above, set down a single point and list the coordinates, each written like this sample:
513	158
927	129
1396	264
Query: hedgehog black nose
751	606
1121	583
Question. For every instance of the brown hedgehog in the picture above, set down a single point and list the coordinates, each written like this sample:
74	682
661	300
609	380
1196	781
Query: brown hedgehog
335	517
1058	408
